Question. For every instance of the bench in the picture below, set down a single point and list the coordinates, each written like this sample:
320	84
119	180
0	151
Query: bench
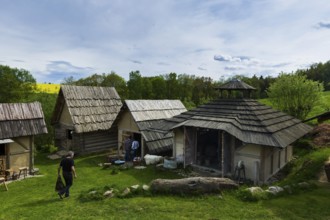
3	180
22	170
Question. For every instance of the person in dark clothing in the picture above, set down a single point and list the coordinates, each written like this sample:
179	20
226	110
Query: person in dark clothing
127	145
68	172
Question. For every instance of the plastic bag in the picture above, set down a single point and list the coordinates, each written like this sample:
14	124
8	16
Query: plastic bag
59	184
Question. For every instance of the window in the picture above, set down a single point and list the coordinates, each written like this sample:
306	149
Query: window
69	134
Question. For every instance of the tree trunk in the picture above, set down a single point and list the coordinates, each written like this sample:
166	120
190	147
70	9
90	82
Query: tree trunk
192	185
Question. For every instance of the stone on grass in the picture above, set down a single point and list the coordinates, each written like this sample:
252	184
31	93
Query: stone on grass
288	189
108	193
92	192
274	190
255	190
145	187
126	192
135	187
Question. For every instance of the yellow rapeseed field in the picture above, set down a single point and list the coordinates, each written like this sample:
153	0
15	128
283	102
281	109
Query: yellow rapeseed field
48	88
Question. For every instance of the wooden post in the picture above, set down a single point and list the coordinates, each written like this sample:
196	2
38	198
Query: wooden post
142	147
31	154
256	173
222	153
184	146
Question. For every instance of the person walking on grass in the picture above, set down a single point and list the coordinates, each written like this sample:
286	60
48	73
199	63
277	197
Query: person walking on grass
68	172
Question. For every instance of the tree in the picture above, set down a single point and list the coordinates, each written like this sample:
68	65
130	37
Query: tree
135	85
15	84
172	86
294	94
114	80
158	87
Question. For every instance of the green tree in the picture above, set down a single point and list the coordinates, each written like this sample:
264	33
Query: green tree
158	87
172	86
147	92
15	84
114	80
135	85
294	94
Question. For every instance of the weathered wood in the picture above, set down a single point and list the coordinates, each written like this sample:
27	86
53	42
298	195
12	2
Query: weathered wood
21	119
192	185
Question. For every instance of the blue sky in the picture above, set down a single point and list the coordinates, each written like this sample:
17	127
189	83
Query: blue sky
55	39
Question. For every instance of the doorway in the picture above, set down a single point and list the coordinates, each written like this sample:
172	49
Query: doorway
208	148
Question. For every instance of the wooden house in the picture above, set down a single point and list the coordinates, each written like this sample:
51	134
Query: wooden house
230	131
84	118
137	118
19	123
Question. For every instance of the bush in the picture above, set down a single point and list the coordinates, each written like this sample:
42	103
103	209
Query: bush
49	148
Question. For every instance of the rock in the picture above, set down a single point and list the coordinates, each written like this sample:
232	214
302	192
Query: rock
92	192
108	193
255	190
126	192
54	156
274	190
62	153
135	187
145	187
288	189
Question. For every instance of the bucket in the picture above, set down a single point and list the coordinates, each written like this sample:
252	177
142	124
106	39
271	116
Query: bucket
170	163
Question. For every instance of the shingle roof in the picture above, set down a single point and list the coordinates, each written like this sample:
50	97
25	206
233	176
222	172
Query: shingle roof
91	108
246	119
235	84
148	112
21	119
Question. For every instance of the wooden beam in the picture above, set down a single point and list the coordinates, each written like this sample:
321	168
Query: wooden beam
222	153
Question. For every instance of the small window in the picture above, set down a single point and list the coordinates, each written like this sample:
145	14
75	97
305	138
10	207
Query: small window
69	134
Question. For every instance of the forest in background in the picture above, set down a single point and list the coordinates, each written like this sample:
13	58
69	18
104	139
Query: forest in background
18	85
190	89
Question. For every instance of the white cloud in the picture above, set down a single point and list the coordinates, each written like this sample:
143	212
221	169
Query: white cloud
206	38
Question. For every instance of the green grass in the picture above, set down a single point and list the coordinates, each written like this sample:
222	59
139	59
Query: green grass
35	198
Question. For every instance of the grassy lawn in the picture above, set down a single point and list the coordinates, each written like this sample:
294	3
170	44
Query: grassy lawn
35	198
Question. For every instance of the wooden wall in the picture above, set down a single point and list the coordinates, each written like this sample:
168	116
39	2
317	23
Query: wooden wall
18	154
126	124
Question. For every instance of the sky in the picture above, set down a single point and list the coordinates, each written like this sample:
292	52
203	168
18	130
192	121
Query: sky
57	39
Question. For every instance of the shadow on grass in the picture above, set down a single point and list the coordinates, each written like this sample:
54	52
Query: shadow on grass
42	202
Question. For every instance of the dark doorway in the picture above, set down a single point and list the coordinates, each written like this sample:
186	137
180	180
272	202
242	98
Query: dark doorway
208	148
2	149
137	137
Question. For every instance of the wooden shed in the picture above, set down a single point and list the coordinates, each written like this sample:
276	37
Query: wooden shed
223	132
137	118
19	123
84	118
